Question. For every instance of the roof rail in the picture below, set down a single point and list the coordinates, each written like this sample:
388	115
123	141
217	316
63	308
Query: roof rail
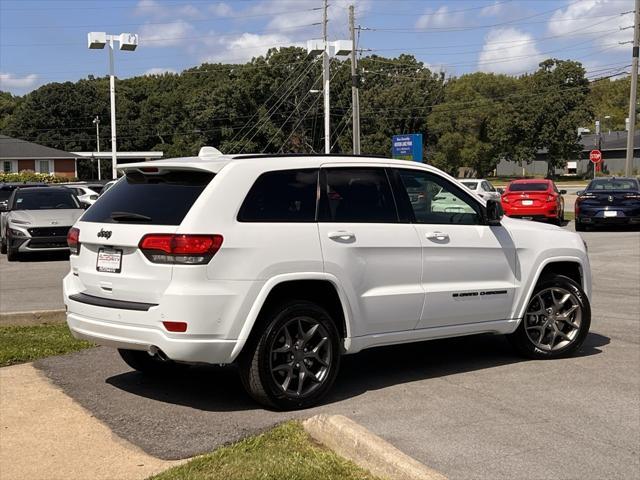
278	155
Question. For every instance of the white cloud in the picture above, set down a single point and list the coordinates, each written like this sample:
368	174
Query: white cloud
166	35
10	81
493	10
244	47
159	71
440	18
221	9
508	50
578	20
157	10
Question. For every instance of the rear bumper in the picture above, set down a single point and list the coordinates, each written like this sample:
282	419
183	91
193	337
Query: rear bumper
538	213
214	313
600	219
186	348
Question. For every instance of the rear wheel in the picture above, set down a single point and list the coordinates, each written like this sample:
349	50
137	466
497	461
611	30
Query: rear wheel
295	360
580	227
3	247
556	321
146	363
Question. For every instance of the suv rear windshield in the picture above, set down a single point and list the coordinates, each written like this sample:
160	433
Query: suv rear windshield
156	199
528	187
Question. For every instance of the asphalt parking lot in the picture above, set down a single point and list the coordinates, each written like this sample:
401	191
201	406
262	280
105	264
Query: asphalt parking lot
467	407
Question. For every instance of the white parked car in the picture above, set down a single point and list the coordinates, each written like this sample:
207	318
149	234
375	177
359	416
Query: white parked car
84	193
282	264
482	188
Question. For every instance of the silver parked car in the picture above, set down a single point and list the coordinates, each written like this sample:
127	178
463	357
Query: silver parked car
482	188
38	219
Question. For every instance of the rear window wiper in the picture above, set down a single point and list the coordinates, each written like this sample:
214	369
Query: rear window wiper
124	216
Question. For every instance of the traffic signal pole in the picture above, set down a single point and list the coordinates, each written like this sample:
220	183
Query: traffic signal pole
634	90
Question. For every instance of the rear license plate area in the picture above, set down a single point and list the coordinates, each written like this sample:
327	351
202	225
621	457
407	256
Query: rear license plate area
527	202
109	260
610	213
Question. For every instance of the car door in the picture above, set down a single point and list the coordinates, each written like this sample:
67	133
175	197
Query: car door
376	259
468	267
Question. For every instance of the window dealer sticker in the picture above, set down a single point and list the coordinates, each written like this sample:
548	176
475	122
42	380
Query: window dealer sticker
109	260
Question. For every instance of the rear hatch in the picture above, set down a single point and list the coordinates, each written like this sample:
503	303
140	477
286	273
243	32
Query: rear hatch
109	263
527	195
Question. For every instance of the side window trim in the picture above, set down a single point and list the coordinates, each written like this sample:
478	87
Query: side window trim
478	207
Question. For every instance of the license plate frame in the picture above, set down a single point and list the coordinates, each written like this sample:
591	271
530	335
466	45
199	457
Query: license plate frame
104	264
527	203
610	213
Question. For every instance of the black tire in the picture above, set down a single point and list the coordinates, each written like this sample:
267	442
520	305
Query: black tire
12	254
580	226
523	342
3	247
269	346
148	364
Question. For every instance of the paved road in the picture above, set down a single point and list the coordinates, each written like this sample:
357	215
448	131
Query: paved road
33	283
467	407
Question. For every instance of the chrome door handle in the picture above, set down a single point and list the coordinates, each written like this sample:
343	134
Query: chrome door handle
437	236
341	235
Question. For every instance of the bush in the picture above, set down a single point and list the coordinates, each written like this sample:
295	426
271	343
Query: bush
31	176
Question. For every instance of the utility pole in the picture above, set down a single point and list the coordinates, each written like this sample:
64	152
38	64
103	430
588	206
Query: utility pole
598	142
325	79
96	121
355	81
634	90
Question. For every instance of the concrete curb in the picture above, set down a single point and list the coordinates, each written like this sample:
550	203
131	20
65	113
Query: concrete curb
352	441
37	317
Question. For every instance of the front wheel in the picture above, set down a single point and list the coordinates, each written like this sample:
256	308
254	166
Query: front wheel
295	360
556	321
12	254
3	247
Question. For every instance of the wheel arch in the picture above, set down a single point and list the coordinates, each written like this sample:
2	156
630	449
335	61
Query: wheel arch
572	267
320	288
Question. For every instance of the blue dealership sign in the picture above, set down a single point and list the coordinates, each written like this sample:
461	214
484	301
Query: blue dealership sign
407	147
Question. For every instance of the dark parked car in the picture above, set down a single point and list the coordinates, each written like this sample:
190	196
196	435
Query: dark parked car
608	201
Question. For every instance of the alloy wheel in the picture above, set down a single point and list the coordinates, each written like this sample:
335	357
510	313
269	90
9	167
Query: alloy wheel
553	318
300	357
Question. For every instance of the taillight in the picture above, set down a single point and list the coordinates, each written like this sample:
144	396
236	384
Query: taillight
550	198
180	249
635	196
73	240
505	199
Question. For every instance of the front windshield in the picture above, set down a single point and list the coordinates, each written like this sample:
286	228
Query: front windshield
44	199
613	184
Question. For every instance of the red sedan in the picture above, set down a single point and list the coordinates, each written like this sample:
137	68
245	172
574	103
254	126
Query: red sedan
534	199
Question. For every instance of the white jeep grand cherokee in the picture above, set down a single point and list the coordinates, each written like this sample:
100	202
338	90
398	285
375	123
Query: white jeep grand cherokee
281	264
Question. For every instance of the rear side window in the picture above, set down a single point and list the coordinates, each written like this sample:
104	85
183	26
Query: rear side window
529	187
357	195
154	199
282	196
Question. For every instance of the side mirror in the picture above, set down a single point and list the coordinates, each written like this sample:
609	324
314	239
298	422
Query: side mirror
85	205
494	212
563	192
579	192
500	190
4	206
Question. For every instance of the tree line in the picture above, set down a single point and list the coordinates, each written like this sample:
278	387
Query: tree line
273	104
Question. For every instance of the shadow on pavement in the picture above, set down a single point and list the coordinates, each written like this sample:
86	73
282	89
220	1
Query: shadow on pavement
211	388
43	257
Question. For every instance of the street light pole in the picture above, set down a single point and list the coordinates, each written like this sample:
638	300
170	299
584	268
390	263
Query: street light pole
112	98
634	90
128	41
355	100
96	121
325	81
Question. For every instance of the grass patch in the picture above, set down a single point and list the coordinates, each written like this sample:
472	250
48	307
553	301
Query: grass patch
20	344
568	216
284	453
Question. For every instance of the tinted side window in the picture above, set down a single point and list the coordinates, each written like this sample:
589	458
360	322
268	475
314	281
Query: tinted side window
434	200
282	196
150	199
357	195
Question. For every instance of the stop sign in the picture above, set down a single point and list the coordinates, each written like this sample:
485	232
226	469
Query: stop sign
595	156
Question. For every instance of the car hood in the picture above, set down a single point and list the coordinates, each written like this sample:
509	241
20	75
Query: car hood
46	218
